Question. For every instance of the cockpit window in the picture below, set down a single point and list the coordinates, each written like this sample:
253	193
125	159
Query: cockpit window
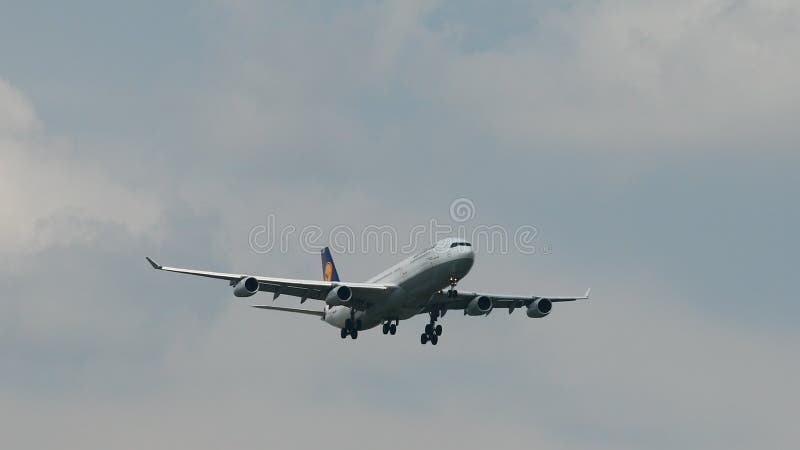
460	244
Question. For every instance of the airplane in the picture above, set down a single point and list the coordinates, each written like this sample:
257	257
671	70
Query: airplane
413	286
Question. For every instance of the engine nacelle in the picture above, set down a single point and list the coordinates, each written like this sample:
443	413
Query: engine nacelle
339	295
479	306
246	287
539	308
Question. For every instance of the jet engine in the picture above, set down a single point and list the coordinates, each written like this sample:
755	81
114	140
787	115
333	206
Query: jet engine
539	308
246	287
339	295
479	306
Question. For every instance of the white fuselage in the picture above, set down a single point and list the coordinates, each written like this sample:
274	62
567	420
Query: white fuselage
417	277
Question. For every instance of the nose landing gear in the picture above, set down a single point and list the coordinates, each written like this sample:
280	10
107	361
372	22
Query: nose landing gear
452	292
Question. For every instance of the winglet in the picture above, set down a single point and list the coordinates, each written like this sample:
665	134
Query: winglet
153	263
588	292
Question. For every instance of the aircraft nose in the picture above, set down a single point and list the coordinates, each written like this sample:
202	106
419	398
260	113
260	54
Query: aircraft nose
466	253
466	258
462	250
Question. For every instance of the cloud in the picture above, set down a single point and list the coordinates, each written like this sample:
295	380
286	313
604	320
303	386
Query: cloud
49	196
16	112
631	76
613	77
384	113
621	371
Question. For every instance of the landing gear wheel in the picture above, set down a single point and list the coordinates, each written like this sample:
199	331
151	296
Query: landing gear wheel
392	329
386	328
438	330
423	339
429	329
354	334
344	333
434	339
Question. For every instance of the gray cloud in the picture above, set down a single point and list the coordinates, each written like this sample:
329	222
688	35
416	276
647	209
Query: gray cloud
651	145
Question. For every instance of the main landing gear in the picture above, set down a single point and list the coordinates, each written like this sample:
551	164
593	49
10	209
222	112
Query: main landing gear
351	326
432	330
389	327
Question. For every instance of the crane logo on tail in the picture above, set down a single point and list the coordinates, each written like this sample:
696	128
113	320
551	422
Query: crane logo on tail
329	272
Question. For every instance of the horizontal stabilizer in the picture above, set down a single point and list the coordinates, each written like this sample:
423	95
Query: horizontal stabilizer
294	310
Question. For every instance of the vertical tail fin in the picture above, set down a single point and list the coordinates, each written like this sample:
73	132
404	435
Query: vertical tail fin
329	272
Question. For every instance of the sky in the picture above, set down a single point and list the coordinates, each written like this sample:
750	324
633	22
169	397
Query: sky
652	145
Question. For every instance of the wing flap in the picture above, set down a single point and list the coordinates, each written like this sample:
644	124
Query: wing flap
293	290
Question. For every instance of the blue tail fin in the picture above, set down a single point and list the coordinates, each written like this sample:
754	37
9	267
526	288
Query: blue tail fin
329	272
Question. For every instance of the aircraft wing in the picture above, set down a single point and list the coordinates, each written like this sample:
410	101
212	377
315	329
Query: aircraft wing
440	299
363	293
